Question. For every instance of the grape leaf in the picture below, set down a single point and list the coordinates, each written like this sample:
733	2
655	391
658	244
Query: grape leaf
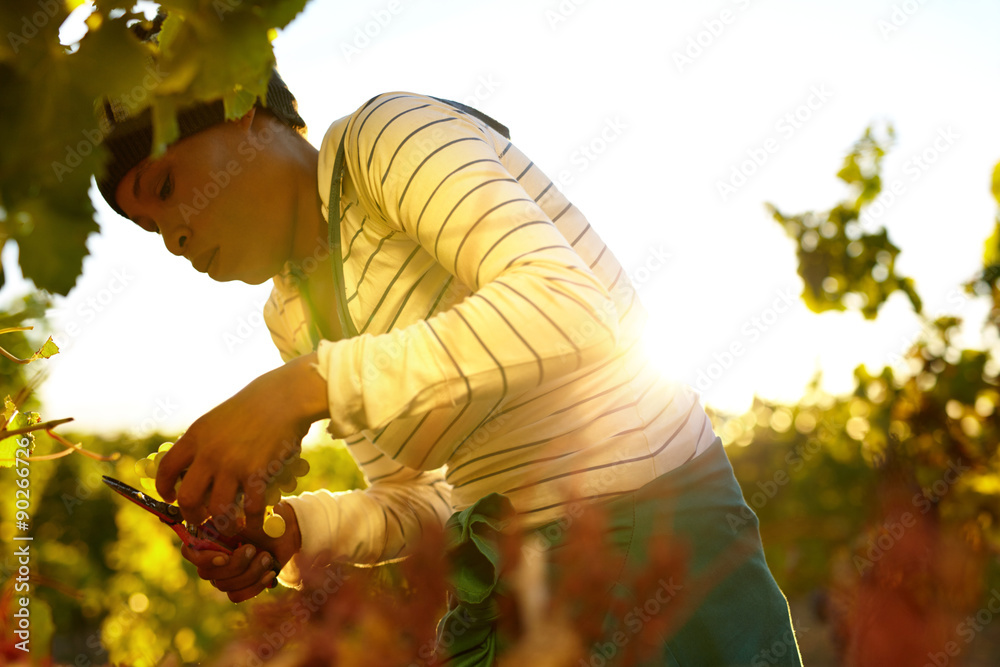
9	445
165	126
52	254
178	56
238	102
280	13
28	26
9	409
48	349
111	62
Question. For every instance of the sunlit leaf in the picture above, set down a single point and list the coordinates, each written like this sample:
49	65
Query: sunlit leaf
48	349
11	444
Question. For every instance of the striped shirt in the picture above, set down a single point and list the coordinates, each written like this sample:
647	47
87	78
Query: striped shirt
500	340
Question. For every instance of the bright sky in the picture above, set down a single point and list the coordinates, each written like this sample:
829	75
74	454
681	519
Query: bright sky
149	342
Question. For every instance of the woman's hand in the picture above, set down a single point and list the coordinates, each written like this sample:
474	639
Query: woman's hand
252	567
242	444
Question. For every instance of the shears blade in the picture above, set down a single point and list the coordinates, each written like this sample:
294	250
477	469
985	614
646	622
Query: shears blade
170	514
199	537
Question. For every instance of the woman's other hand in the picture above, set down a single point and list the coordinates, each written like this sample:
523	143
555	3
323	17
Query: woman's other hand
241	444
251	568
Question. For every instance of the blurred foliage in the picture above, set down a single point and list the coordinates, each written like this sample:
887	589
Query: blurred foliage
842	264
359	616
51	133
14	377
884	502
18	427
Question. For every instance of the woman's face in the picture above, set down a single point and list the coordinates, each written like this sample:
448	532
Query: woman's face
218	199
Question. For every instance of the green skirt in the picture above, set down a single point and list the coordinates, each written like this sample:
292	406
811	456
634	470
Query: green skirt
736	614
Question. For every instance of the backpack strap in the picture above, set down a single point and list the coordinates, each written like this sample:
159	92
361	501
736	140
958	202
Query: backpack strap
347	327
476	113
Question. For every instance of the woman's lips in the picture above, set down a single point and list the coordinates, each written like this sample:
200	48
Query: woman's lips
203	268
211	262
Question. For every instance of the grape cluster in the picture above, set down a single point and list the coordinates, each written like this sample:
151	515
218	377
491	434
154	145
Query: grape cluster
283	482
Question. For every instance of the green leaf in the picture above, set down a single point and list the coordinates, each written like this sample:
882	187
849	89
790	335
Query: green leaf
9	409
47	350
23	31
238	102
9	445
165	127
51	255
112	63
240	33
179	49
841	267
280	13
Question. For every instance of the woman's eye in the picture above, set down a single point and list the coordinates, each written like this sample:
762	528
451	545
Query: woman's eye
167	187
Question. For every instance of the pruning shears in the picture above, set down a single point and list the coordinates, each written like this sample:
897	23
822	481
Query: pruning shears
203	537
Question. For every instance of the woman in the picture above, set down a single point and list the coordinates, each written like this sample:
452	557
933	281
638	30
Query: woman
479	338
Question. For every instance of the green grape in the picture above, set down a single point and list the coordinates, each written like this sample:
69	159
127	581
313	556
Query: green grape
154	464
274	525
284	475
272	496
165	447
289	486
300	467
142	468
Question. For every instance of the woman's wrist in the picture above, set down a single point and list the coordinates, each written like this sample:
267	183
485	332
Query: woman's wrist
304	389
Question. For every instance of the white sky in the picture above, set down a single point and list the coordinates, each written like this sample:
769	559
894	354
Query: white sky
151	348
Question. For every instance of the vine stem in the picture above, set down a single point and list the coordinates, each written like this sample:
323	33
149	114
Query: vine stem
16	360
13	329
71	447
41	426
7	354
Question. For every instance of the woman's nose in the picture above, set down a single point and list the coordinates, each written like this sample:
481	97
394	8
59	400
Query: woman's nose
176	237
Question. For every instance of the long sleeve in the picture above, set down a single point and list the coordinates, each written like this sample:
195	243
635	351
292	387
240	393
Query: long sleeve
431	178
363	526
368	526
